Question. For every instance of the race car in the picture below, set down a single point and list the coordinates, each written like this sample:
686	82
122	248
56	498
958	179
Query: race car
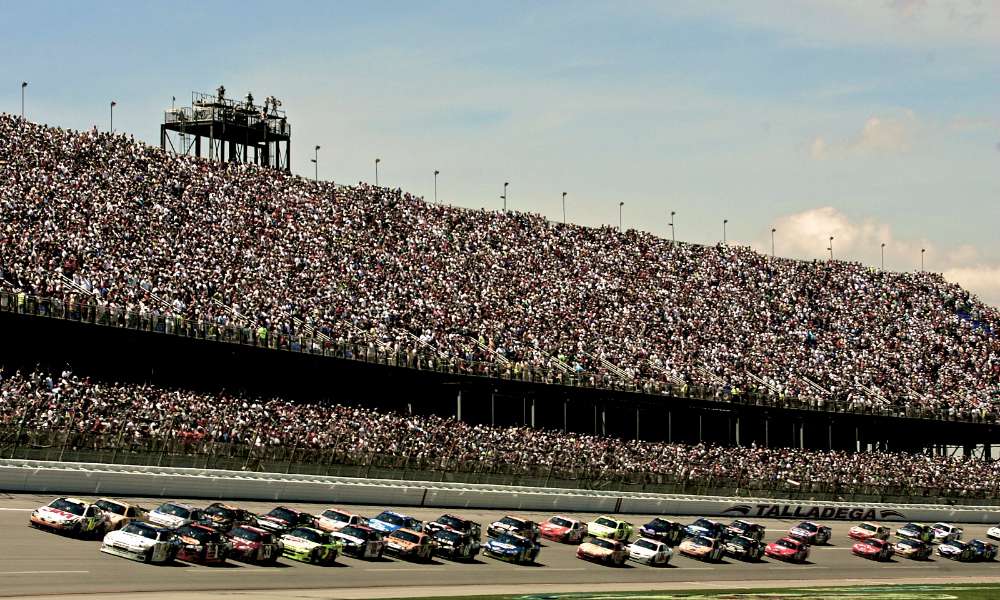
787	549
811	533
912	549
201	544
333	519
388	521
945	532
866	531
254	545
983	550
360	541
310	545
611	528
705	527
455	545
511	548
223	517
915	531
120	513
603	550
174	515
702	547
742	547
669	532
650	552
993	533
410	544
515	525
281	520
746	529
563	529
70	516
957	550
143	542
873	548
455	523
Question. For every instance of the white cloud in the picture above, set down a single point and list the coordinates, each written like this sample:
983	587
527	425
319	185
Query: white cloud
982	279
878	135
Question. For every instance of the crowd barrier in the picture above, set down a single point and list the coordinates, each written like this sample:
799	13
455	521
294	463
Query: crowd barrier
88	479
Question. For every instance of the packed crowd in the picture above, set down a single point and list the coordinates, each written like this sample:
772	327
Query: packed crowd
125	225
130	415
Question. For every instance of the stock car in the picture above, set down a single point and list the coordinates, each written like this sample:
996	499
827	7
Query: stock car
70	516
945	532
512	548
223	517
706	527
916	531
410	544
174	515
281	519
563	529
253	544
873	548
742	547
201	544
650	552
957	550
455	523
143	542
788	549
983	550
811	533
360	541
455	545
310	545
120	513
388	521
868	531
515	525
611	528
746	529
669	532
603	550
702	547
993	532
334	519
913	549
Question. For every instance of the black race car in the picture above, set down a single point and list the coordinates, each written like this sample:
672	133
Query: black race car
742	547
456	523
746	529
282	519
669	532
223	517
455	545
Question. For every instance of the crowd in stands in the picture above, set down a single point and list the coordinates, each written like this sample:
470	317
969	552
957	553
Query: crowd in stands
138	229
129	415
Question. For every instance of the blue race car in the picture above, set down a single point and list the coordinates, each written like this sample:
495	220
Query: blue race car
983	550
388	522
705	527
512	548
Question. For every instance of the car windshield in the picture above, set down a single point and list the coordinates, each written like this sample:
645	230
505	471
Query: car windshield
246	534
869	527
67	506
285	514
196	532
510	539
658	525
336	515
450	521
560	522
355	532
810	527
603	543
309	534
702	540
512	522
175	510
391	518
606	522
912	526
740	541
909	543
140	529
446	534
942	526
646	544
220	511
406	536
786	544
111	507
704	523
958	544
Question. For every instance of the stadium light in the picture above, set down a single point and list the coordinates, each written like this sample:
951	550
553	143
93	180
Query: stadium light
772	241
724	223
620	205
504	196
922	251
564	208
24	84
315	161
436	172
831	247
673	236
883	256
377	161
113	104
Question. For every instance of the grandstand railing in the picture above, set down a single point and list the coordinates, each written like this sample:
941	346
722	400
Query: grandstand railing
182	449
87	310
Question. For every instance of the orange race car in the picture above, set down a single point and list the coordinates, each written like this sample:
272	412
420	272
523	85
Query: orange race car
414	545
120	513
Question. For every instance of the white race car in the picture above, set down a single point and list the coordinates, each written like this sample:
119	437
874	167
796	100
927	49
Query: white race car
142	542
175	514
944	532
993	533
333	519
649	552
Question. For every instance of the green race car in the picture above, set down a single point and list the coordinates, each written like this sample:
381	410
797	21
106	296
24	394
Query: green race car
611	528
311	546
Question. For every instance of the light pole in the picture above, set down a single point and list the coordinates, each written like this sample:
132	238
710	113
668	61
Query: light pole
922	250
620	205
564	208
673	236
377	161
113	104
504	196
315	161
883	256
24	84
772	241
831	247
436	172
724	223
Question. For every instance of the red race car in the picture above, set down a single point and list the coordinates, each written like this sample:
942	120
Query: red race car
788	549
874	549
563	529
201	544
253	544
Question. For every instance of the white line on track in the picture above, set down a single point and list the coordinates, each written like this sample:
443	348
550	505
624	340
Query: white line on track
38	572
240	571
18	509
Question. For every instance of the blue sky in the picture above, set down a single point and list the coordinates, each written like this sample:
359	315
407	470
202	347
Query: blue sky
872	121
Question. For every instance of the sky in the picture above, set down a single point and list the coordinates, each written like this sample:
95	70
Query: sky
871	121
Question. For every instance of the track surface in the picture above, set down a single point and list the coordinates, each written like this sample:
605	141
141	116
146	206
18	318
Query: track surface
40	563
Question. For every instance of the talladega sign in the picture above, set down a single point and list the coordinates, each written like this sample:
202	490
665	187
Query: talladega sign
840	513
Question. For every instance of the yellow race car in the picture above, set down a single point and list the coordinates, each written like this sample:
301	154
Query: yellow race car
611	528
120	513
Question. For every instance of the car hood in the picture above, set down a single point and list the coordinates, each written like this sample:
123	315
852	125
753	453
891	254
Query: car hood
128	539
501	547
57	515
550	528
170	520
595	550
946	548
296	543
350	539
780	549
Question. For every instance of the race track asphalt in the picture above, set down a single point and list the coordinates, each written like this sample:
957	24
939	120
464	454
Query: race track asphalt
37	563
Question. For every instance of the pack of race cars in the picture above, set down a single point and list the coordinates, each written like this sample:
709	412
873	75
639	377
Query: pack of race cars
221	532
